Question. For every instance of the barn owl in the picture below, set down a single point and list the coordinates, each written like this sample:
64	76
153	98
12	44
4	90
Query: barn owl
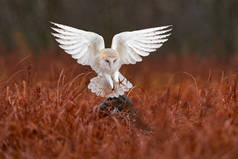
128	47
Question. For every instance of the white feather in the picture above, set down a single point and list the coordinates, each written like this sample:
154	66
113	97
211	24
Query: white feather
141	42
79	43
67	42
101	87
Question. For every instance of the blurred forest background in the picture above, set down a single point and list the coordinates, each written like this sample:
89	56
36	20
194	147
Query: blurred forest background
201	27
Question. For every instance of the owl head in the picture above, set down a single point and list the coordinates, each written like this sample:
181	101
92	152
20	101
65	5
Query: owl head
109	58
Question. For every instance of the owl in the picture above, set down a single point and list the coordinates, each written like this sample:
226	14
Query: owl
128	47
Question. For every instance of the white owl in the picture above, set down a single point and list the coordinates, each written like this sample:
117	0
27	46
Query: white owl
88	48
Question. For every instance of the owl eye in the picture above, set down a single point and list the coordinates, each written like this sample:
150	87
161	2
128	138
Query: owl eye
107	61
114	60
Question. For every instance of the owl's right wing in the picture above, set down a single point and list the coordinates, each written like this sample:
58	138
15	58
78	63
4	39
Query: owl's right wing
131	45
82	45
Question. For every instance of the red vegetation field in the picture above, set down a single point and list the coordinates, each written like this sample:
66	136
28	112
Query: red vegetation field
188	109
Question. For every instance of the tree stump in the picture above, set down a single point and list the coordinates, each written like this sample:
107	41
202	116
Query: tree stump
118	105
122	106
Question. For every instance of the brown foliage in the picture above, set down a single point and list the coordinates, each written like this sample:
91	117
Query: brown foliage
190	105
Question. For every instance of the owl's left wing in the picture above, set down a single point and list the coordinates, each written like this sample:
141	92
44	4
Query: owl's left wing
81	45
134	44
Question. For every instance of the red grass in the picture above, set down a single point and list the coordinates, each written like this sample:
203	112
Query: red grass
189	103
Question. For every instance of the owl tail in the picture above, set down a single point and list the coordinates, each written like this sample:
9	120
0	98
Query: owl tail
101	87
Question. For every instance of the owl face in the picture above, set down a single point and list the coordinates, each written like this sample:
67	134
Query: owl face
109	59
110	62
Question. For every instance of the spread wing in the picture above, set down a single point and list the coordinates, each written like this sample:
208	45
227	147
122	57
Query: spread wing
134	44
82	45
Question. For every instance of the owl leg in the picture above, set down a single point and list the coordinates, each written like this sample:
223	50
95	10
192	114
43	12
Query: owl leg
109	80
116	76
